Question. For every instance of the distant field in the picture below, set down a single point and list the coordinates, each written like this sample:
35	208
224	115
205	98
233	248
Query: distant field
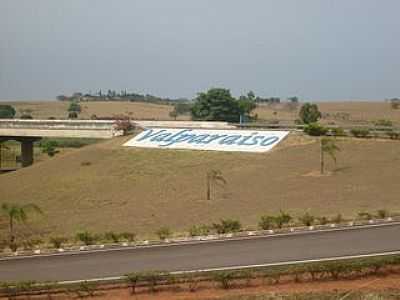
334	112
57	109
106	186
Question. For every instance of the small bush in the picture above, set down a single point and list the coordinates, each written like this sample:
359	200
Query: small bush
384	123
282	219
337	219
164	233
364	215
86	163
86	237
382	214
322	220
267	222
112	237
338	131
360	132
32	243
393	135
132	280
26	117
58	241
314	129
153	278
192	281
128	236
307	219
224	278
199	230
49	147
227	226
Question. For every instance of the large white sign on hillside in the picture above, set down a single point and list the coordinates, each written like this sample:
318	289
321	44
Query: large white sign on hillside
200	139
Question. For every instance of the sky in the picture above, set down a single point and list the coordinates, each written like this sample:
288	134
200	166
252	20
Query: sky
313	49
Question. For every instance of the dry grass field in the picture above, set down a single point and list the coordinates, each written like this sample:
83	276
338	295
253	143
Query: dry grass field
106	186
58	110
334	112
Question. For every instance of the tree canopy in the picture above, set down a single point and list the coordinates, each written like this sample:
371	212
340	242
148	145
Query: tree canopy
309	113
217	104
7	111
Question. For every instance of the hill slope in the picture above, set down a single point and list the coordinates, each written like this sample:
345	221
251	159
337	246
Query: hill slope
109	187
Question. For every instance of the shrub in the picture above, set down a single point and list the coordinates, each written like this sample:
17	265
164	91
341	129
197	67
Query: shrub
32	243
26	117
193	282
383	122
337	219
364	215
112	236
128	236
393	135
315	129
152	278
307	219
86	163
199	230
360	132
132	280
86	237
72	115
338	131
322	220
382	214
282	219
164	233
227	226
58	241
267	222
49	147
224	278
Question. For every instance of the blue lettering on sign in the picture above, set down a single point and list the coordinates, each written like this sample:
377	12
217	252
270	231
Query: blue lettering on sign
165	138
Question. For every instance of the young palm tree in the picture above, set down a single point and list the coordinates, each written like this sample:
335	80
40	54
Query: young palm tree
214	177
16	213
328	146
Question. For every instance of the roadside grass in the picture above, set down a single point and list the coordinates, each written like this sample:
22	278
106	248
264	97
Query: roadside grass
142	190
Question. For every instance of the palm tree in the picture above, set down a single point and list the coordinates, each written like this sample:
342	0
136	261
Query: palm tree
328	146
214	177
16	213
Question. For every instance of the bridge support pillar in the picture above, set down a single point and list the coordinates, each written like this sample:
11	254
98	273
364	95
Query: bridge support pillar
26	153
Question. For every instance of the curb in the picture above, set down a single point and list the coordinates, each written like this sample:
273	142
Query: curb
289	231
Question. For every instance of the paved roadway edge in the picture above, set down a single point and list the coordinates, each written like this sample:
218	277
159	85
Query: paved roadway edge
241	267
198	242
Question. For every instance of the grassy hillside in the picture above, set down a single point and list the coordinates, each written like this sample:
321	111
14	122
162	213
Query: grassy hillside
109	187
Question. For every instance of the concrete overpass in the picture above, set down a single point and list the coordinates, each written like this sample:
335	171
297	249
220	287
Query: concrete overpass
28	131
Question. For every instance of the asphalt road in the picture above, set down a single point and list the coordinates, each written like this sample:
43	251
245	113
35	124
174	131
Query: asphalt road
204	255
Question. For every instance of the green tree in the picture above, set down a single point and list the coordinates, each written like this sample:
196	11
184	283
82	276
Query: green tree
49	147
16	213
74	107
247	104
214	177
328	146
217	104
7	111
309	113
